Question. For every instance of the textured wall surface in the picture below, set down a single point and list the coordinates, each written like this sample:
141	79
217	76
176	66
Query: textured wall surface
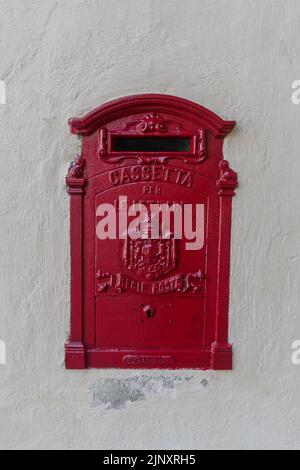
61	58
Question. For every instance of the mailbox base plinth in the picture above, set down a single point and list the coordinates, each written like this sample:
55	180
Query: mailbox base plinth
221	356
218	358
149	359
74	355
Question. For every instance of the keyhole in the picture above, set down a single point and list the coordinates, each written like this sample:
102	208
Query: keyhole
148	311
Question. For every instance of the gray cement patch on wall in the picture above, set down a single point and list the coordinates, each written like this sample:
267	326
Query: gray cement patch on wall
117	393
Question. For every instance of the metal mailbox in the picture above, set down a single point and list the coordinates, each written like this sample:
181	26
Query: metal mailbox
150	215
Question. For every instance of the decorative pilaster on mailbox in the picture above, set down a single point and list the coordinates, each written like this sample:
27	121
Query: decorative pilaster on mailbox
150	215
75	353
221	350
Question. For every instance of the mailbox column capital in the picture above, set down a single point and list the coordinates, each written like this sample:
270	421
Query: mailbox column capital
75	185
74	179
228	181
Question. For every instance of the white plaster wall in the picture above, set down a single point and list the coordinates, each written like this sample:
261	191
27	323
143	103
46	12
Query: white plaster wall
61	58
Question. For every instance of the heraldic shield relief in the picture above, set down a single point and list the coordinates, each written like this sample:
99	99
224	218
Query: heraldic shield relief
149	259
150	209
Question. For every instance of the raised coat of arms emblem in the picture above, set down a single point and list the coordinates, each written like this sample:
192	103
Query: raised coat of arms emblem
148	258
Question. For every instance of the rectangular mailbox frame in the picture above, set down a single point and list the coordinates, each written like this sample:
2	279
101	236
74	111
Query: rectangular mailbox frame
150	304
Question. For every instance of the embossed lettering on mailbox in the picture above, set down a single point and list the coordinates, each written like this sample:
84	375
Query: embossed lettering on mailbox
150	214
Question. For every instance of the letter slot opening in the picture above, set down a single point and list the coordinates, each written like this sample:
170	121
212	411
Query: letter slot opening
151	144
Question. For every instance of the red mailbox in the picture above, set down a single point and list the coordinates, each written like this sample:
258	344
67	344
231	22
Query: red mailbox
150	213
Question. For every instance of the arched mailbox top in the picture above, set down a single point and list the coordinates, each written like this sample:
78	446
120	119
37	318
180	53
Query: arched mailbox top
149	103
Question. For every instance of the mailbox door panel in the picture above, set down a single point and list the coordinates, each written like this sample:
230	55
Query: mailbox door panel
129	280
172	323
